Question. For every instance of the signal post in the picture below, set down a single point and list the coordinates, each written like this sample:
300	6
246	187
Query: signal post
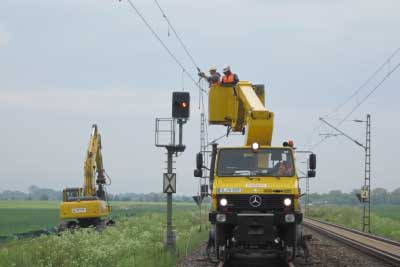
180	115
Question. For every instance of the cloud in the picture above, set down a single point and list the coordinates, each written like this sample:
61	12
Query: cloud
5	36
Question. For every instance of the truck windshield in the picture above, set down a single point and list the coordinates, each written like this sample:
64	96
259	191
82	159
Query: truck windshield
276	162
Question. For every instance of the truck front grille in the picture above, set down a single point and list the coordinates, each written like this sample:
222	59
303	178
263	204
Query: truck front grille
269	203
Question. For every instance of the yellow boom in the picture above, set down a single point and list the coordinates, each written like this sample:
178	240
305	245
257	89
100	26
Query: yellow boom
93	161
242	106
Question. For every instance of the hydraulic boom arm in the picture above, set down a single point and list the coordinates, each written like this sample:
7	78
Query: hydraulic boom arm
93	161
242	106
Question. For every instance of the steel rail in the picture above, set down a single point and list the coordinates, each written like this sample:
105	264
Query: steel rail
375	246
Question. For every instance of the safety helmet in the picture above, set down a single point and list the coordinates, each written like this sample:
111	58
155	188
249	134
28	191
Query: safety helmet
212	68
226	68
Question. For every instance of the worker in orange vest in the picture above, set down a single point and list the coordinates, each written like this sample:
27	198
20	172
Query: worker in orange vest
229	77
214	78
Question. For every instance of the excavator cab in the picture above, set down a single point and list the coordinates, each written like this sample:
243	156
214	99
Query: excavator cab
76	194
72	194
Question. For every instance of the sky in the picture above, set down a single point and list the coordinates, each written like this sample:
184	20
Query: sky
68	64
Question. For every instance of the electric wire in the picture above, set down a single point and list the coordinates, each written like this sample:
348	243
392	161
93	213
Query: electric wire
368	95
177	35
163	44
360	103
359	89
180	42
201	90
386	62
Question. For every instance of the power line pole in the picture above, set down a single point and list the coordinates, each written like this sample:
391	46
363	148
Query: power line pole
367	178
203	151
365	196
307	211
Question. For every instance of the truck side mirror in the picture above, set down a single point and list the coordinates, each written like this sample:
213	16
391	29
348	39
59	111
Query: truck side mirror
199	161
198	173
312	162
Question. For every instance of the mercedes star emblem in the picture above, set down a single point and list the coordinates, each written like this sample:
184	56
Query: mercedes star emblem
255	201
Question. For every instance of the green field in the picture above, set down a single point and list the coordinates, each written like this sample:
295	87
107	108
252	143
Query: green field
23	216
391	212
136	240
385	220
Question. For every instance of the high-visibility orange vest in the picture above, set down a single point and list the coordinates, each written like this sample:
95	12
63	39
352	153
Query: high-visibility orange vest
228	78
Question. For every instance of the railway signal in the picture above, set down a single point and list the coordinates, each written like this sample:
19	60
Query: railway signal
180	114
180	105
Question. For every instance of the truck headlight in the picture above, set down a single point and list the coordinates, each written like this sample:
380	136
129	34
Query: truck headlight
223	202
287	202
221	218
289	218
255	146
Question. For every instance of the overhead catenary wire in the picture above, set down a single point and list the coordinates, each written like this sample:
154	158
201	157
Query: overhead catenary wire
177	35
361	102
189	55
363	85
201	90
184	71
368	95
163	44
359	89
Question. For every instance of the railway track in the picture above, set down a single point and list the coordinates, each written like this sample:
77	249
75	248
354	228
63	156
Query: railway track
375	246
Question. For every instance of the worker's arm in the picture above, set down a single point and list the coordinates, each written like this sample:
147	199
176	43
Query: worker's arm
214	79
202	75
235	78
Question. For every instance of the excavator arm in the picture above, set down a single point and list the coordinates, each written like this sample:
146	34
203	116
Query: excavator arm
93	162
242	108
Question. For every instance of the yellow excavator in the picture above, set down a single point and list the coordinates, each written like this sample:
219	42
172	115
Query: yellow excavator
256	217
88	206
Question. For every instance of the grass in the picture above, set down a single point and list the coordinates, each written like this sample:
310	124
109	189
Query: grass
384	219
389	211
133	241
23	216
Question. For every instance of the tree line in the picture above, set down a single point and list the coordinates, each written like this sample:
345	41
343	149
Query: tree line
379	196
44	194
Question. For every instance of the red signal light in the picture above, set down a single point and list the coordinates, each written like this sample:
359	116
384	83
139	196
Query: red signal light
184	104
